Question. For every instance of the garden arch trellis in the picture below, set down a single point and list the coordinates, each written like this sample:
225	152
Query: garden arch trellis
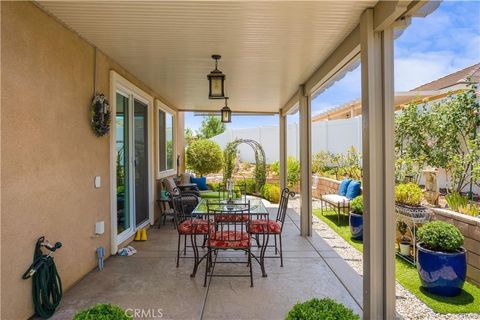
230	154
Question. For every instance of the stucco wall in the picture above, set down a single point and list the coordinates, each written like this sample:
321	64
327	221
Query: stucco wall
50	155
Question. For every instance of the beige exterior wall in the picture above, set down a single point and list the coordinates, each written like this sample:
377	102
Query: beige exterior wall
50	155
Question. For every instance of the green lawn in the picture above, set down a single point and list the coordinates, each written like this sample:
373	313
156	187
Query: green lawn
214	195
467	302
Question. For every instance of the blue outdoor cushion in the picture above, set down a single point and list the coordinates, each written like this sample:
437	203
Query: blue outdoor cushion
200	182
342	188
353	189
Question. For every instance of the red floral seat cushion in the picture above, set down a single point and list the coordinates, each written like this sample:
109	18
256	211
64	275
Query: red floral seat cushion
229	239
231	217
260	226
195	226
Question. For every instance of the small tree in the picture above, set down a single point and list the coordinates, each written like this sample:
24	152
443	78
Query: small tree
189	136
204	157
211	126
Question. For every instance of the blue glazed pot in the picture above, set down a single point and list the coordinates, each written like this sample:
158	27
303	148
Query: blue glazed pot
356	225
442	273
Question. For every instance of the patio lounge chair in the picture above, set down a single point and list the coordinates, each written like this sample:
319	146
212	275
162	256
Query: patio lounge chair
340	202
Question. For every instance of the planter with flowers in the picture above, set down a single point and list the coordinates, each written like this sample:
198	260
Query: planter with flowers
356	218
441	258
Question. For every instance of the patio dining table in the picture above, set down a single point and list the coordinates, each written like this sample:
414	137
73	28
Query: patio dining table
257	211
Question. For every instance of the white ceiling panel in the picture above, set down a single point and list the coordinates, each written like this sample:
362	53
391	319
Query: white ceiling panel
268	48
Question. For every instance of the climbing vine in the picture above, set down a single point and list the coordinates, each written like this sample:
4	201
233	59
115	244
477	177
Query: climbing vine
230	154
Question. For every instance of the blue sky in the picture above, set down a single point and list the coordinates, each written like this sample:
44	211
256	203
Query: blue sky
445	41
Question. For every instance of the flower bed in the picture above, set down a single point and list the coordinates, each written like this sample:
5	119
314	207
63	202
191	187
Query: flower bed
470	228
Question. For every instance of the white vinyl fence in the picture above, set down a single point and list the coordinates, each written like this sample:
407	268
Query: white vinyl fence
335	136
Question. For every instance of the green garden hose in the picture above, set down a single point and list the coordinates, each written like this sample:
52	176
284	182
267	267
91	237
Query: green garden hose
47	285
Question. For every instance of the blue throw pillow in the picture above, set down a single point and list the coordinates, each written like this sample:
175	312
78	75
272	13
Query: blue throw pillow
353	189
342	188
200	182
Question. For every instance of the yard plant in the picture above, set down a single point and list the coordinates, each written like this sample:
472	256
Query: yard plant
357	205
204	157
321	309
443	135
408	194
103	312
440	236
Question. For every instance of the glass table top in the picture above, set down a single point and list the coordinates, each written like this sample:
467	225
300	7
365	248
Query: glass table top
256	206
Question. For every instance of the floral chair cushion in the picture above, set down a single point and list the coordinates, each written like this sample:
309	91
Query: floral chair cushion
231	217
229	239
195	226
260	226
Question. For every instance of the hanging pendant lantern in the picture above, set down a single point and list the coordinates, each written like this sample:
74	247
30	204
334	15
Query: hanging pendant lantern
216	81
226	112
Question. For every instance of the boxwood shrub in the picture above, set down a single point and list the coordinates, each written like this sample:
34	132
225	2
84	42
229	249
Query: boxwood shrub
440	236
357	205
103	312
271	192
323	309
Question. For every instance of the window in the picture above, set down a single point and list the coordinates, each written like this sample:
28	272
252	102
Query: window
166	140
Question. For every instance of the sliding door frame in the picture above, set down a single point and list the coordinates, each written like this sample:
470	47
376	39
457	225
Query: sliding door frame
122	85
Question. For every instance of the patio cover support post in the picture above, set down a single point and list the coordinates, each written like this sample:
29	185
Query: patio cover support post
305	162
180	137
283	150
378	167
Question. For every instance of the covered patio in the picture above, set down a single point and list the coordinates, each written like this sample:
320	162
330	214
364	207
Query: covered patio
311	270
150	60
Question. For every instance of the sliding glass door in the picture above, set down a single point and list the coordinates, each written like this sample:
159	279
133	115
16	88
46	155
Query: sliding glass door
132	163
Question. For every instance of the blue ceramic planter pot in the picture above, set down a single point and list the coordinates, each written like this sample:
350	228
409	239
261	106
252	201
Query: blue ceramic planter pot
356	225
442	273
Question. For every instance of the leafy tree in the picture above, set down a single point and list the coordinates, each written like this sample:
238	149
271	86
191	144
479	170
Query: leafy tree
210	127
189	136
204	156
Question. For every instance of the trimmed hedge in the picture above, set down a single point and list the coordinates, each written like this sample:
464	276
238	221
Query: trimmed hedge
323	309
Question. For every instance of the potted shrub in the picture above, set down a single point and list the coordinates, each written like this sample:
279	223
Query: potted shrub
321	309
404	241
441	259
408	197
104	312
356	218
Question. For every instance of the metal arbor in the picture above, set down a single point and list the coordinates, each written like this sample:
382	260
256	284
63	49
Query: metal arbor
260	161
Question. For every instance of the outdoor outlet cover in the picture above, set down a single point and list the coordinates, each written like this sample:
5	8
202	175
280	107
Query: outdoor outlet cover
98	182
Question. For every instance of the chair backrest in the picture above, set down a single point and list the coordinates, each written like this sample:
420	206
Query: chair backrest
230	221
183	206
283	205
170	185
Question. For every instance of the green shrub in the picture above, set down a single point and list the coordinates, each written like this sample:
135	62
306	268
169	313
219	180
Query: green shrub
293	170
271	192
409	194
324	309
357	205
204	157
248	183
440	236
103	312
455	200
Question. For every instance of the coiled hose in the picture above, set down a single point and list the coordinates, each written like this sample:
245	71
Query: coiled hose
47	285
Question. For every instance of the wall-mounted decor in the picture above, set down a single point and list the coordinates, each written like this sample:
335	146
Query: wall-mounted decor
100	115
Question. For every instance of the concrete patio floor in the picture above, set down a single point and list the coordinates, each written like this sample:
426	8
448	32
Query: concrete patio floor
149	280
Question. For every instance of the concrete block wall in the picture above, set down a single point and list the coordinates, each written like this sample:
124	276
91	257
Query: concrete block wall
470	228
